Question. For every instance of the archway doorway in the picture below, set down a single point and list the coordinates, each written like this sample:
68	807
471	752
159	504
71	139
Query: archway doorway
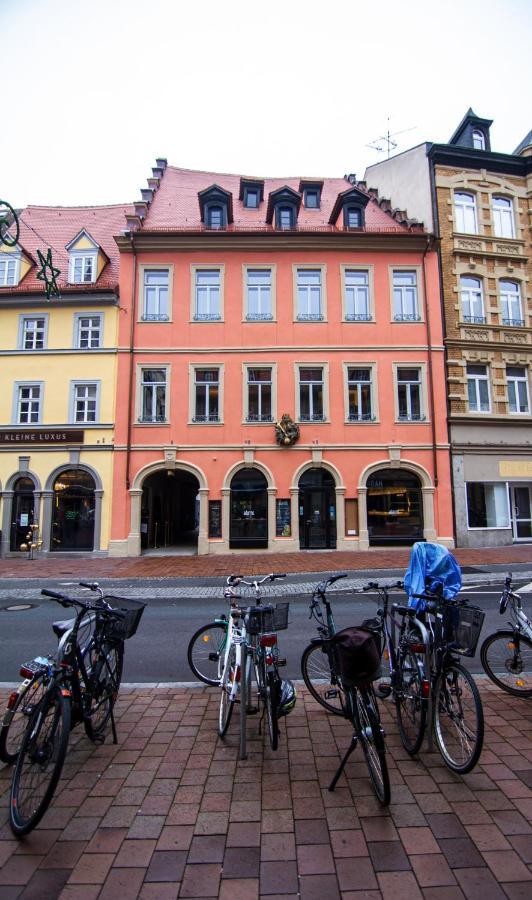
169	518
248	526
395	507
23	511
73	511
317	510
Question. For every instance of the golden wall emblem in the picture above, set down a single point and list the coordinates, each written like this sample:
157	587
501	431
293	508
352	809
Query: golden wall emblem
286	431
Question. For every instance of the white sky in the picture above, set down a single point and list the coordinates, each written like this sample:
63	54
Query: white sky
93	91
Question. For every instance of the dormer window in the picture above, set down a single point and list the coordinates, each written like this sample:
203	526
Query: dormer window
479	141
285	217
216	206
82	268
9	269
311	191
312	199
251	192
283	208
352	203
352	217
252	199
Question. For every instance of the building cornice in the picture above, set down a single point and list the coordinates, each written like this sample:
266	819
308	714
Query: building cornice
464	158
38	299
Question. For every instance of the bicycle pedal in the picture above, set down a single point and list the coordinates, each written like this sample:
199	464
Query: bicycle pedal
383	691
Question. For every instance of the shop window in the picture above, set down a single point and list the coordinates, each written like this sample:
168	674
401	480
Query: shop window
487	505
394	507
73	511
249	510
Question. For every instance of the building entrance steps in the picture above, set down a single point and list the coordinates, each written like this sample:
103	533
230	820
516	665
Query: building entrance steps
170	812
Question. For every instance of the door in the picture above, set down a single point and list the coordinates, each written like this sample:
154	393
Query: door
248	526
22	517
521	496
317	511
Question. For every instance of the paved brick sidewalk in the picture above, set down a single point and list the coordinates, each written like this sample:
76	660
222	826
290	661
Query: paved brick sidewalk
170	813
209	566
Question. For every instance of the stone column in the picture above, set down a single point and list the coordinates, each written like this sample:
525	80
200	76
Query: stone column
340	520
429	530
46	521
6	521
203	530
133	538
272	493
98	494
294	514
363	534
226	509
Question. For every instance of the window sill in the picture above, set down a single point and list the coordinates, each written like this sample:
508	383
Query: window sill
513	323
264	420
408	319
207	319
259	317
152	422
205	420
154	319
361	420
474	320
358	318
410	421
310	318
313	420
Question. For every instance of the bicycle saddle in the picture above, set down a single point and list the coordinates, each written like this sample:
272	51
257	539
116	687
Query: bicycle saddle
60	628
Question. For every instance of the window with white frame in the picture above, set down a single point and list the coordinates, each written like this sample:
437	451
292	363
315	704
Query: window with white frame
309	295
478	388
33	332
215	217
9	267
356	289
503	217
28	404
487	505
465	213
84	402
285	217
311	407
359	394
259	394
472	300
207	395
207	295
479	142
82	267
409	406
517	384
153	389
510	295
405	301
89	331
155	301
259	295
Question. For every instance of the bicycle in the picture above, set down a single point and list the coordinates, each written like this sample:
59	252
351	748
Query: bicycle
454	707
322	673
23	701
506	655
81	685
252	645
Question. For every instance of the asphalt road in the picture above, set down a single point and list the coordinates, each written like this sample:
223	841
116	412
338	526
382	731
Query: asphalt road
157	653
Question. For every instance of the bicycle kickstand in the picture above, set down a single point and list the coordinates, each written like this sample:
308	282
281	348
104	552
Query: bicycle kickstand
352	745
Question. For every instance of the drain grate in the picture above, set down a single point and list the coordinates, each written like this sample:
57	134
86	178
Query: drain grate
18	607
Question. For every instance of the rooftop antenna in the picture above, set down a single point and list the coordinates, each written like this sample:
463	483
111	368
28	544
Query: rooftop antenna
385	142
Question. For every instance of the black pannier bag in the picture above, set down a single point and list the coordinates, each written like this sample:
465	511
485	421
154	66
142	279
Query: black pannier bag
358	655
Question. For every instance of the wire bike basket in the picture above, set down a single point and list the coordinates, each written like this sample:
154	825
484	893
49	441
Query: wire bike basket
465	625
122	629
268	618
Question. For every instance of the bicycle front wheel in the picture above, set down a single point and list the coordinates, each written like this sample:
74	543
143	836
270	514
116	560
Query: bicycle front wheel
410	705
321	679
458	718
16	718
371	735
104	682
205	652
507	659
271	701
40	761
227	699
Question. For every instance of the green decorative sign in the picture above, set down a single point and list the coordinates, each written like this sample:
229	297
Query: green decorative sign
9	227
48	273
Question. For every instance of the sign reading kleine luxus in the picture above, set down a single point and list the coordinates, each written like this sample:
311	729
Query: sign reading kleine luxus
41	436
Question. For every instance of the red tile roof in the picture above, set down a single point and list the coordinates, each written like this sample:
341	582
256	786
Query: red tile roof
175	204
55	226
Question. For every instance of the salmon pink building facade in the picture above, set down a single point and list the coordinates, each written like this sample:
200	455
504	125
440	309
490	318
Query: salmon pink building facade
281	375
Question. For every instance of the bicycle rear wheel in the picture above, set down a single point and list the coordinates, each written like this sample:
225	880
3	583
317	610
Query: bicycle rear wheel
371	735
16	718
507	659
205	652
409	702
104	682
458	718
40	761
227	701
321	679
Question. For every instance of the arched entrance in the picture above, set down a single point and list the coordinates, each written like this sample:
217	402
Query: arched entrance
169	516
73	511
317	510
22	511
394	507
248	524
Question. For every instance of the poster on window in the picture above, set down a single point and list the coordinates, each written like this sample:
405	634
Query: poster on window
282	519
215	518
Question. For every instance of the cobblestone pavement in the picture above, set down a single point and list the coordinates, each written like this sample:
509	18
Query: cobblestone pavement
170	812
56	566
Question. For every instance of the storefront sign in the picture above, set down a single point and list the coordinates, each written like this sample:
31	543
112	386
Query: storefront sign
38	436
515	468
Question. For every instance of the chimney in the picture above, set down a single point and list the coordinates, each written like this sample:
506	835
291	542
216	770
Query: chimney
146	194
161	163
352	179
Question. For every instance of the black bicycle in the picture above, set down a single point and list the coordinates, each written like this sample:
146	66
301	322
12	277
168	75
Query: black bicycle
80	684
506	655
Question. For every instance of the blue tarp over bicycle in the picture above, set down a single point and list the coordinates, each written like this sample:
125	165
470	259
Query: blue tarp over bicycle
431	566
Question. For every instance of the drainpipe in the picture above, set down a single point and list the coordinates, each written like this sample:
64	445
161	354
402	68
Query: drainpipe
430	372
131	361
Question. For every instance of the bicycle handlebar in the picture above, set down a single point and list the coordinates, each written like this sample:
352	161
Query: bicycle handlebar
83	604
375	586
239	579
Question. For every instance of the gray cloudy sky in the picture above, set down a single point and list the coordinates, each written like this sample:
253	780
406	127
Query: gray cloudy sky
94	91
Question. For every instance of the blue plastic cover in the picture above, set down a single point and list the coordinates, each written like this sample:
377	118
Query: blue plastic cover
430	565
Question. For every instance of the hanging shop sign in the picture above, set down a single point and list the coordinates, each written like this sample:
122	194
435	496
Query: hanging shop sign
38	436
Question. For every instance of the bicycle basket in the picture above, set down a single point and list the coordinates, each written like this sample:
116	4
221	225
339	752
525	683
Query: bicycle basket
467	625
358	655
268	618
122	629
